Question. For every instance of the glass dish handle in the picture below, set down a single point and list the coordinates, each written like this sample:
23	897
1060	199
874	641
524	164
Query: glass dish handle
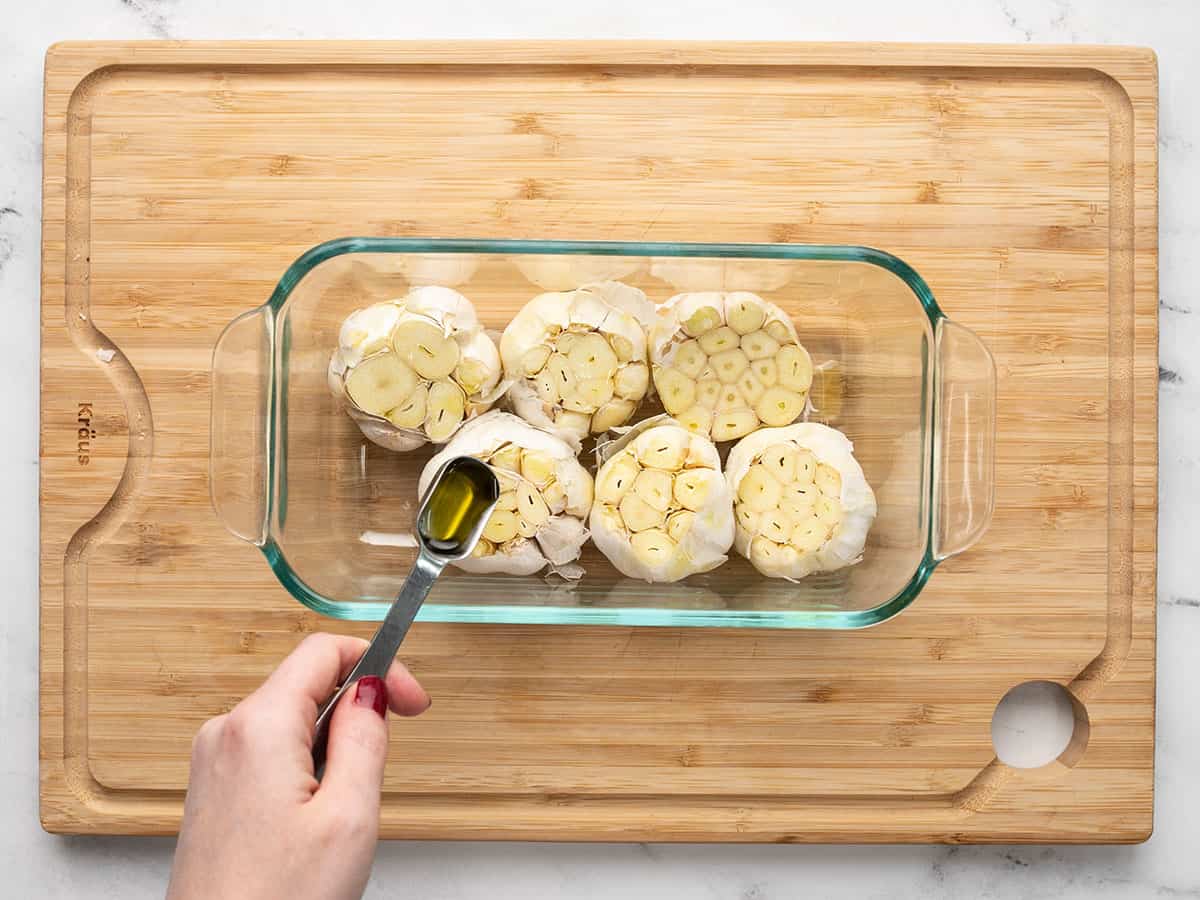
238	469
964	439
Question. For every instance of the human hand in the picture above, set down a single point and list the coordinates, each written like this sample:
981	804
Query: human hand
256	823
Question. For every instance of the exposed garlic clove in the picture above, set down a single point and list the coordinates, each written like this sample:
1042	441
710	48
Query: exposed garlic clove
637	514
632	381
654	486
729	365
780	331
530	505
501	526
759	345
702	321
719	340
507	457
779	406
447	405
795	368
535	359
424	347
679	523
729	426
744	312
662	448
689	359
691	488
766	371
380	383
614	480
708	393
780	460
653	547
697	420
410	414
750	388
828	481
622	347
759	490
676	390
537	468
611	415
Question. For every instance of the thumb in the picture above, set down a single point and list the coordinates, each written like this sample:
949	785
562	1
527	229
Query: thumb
358	741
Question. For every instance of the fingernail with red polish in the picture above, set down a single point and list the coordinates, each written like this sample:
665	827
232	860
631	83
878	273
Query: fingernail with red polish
371	691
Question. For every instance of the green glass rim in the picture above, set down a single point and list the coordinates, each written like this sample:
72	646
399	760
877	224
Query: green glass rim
318	254
374	610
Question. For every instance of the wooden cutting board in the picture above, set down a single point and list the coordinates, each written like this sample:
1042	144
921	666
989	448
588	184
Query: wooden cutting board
180	181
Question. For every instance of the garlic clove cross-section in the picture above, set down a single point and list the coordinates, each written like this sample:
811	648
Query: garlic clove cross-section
663	511
801	501
410	371
577	360
545	498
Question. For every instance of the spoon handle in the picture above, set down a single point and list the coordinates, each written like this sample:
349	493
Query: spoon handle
379	655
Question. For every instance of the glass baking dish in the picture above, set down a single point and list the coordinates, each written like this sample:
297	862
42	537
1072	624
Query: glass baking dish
332	513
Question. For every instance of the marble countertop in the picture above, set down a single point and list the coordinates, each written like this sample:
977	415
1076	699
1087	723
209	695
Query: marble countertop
39	865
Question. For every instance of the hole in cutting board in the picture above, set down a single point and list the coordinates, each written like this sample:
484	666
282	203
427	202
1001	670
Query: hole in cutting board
1038	722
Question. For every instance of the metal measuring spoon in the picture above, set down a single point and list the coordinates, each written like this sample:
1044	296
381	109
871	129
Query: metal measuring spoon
450	520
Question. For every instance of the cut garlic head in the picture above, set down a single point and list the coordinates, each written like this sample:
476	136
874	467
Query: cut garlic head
725	364
577	360
801	501
544	501
412	370
663	510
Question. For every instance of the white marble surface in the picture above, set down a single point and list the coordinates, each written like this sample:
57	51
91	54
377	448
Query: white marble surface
37	865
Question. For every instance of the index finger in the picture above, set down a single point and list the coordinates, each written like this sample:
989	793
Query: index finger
308	676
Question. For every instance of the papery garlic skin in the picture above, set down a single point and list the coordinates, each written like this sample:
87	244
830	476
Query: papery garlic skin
663	510
410	371
546	495
801	501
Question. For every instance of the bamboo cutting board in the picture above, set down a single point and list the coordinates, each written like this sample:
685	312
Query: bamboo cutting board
180	181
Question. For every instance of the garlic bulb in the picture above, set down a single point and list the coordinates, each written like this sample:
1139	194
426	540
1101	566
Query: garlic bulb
566	272
726	364
446	269
699	274
801	500
662	511
545	495
577	360
412	370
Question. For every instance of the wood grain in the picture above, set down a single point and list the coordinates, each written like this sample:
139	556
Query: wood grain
182	178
